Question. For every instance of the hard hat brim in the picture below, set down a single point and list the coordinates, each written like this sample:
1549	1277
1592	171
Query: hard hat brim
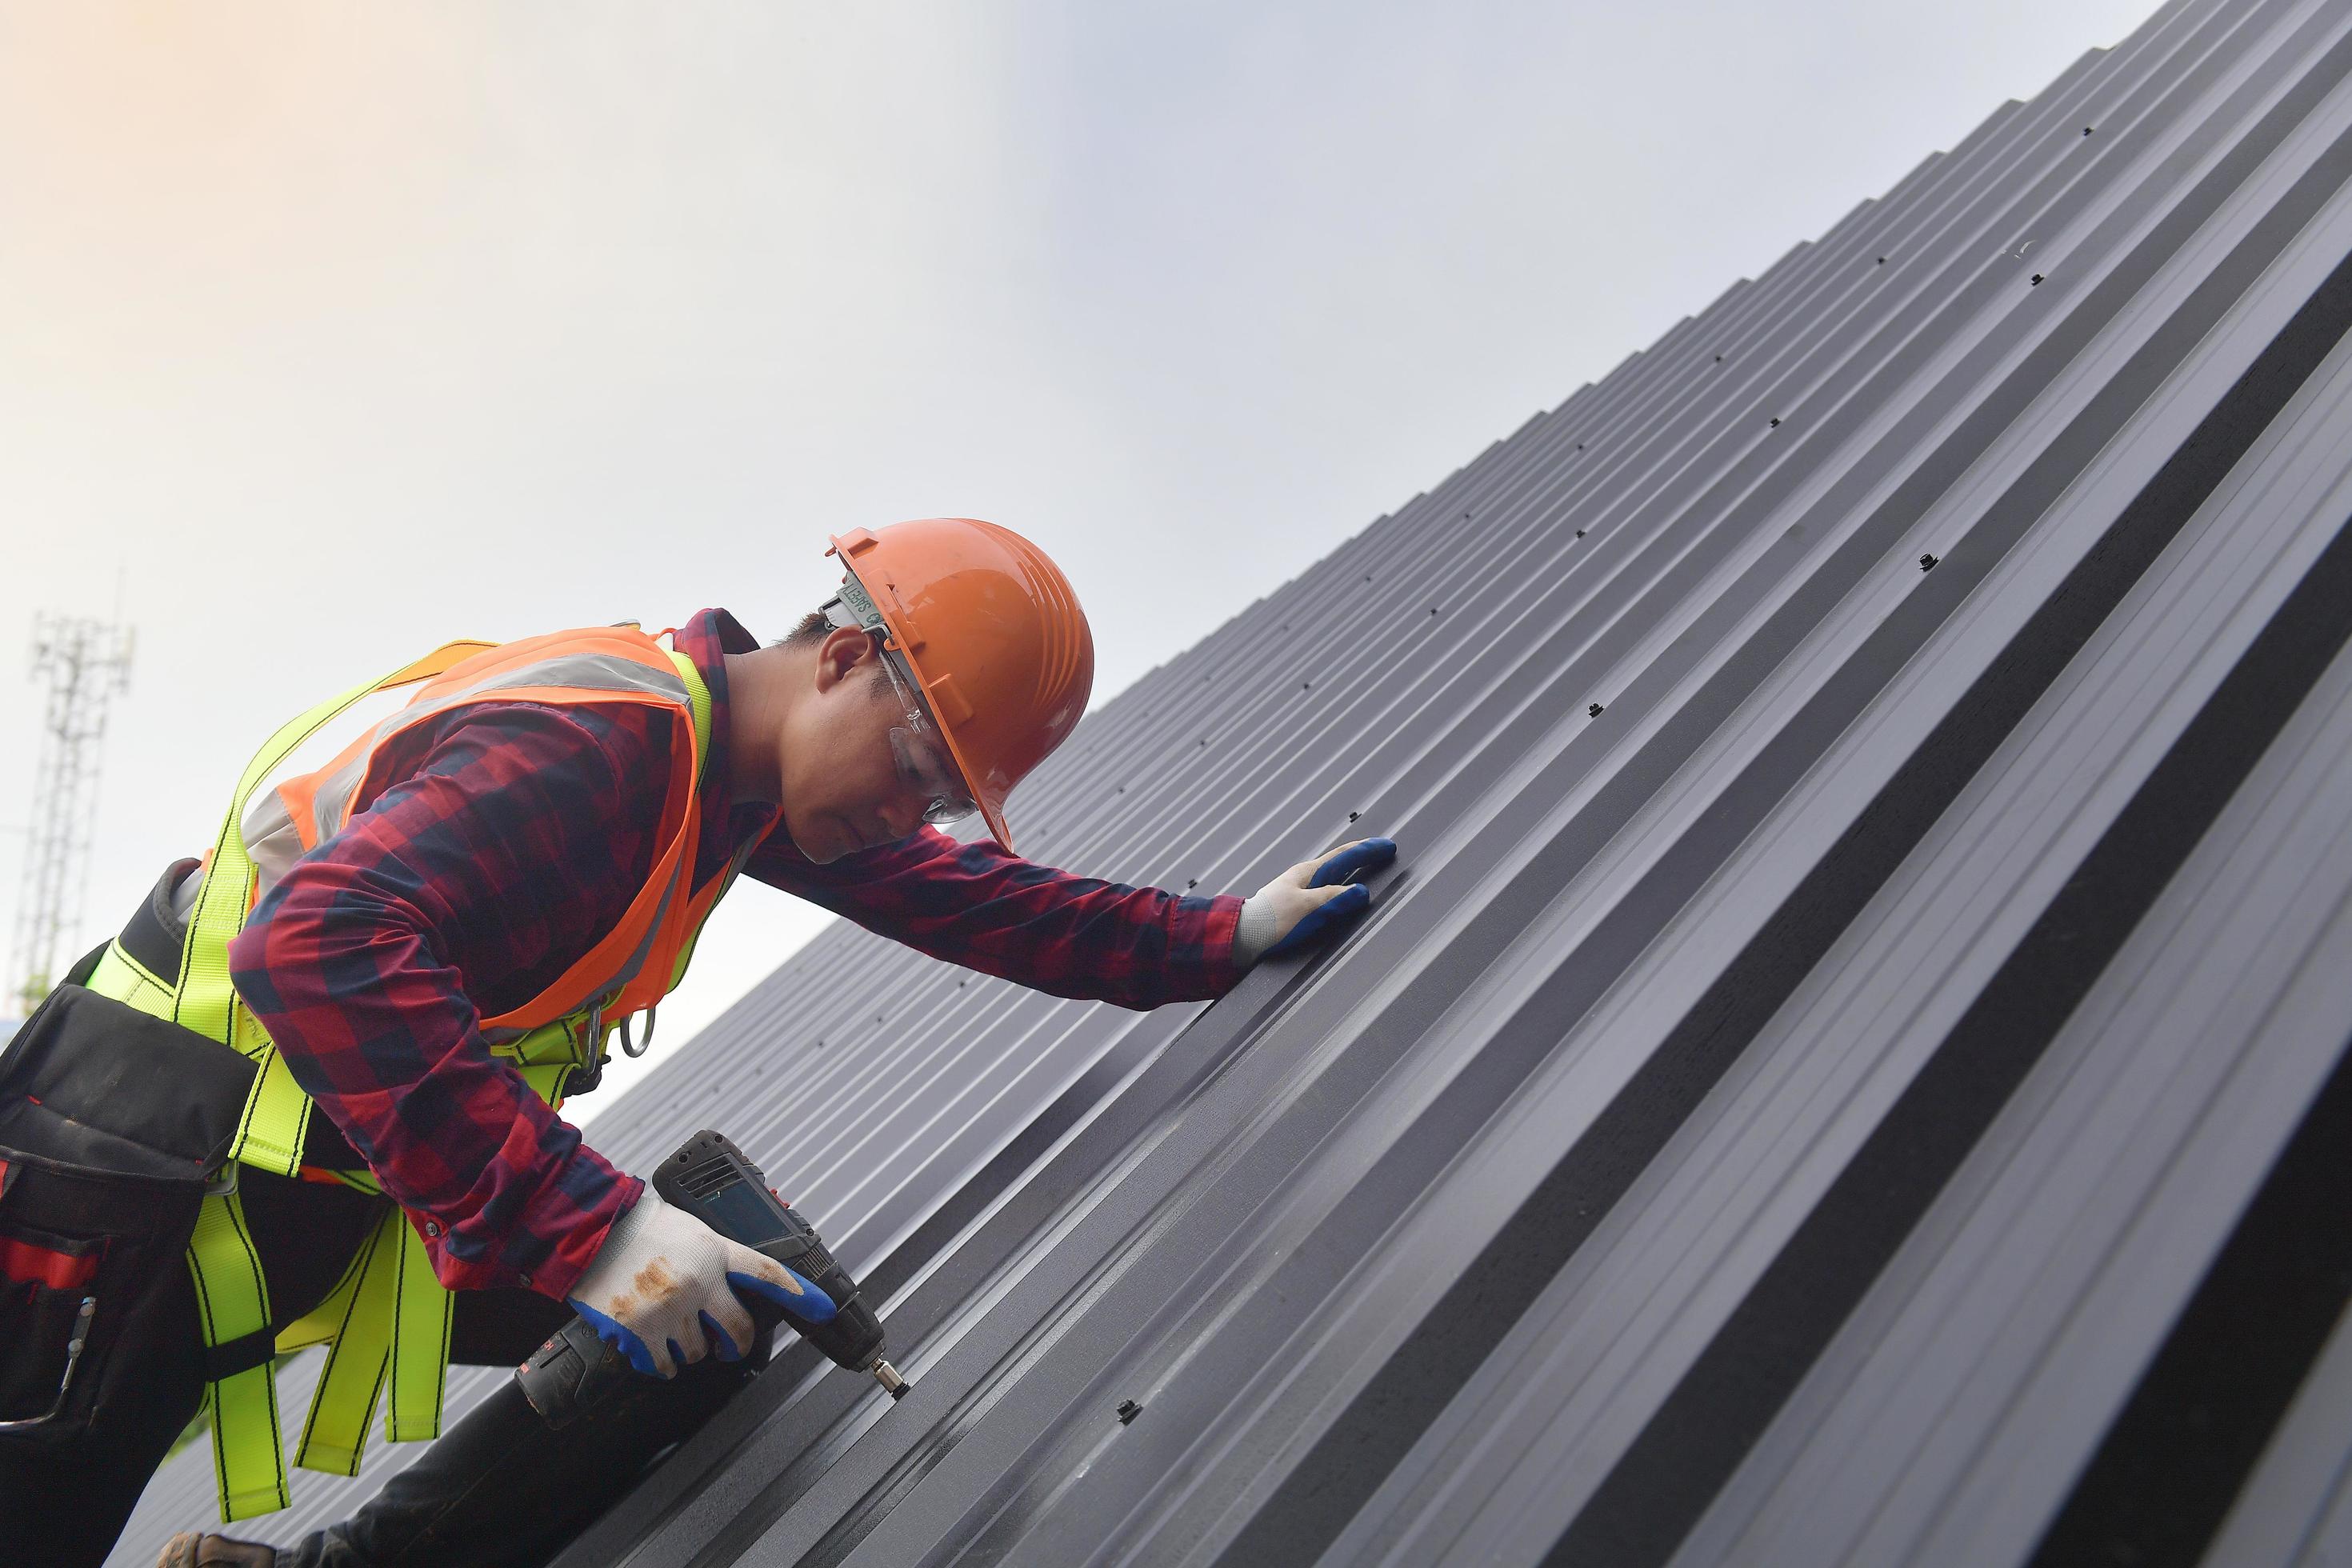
898	641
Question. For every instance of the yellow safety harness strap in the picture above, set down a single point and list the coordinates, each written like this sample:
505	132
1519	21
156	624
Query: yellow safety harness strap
421	1313
387	1322
354	1323
205	1000
233	1305
547	1082
276	1113
248	1451
697	694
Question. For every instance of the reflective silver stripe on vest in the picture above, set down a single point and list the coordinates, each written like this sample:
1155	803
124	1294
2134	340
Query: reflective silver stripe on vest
270	842
588	671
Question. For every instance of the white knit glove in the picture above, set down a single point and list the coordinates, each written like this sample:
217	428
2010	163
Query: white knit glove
661	1290
1310	899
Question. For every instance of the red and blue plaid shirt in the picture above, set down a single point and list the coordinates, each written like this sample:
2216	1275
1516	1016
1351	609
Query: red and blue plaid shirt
508	839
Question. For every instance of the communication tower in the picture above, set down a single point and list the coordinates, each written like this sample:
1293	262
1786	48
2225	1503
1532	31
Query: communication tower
85	663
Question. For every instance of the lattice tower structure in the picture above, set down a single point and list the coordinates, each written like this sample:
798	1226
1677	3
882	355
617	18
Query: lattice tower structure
85	664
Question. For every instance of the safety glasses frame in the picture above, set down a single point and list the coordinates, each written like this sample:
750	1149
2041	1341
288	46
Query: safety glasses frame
917	747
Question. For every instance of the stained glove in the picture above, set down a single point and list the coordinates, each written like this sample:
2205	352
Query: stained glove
658	1289
1311	899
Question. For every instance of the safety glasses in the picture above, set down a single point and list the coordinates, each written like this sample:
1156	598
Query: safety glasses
925	766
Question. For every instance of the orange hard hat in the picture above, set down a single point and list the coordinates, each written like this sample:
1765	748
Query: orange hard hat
993	635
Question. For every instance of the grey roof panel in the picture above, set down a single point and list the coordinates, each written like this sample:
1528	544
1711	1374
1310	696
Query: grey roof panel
2306	1474
1818	1079
1799	1111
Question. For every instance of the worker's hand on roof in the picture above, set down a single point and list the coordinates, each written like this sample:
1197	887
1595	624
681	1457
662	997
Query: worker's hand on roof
1311	900
661	1290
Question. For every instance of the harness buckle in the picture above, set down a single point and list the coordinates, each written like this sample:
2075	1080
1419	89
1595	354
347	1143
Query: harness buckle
629	1047
591	1051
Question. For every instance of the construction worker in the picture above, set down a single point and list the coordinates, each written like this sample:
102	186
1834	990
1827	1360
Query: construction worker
428	940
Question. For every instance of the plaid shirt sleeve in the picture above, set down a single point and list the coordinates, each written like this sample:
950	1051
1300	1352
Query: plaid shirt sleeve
508	842
982	907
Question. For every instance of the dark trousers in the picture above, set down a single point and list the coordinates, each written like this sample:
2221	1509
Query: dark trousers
497	1489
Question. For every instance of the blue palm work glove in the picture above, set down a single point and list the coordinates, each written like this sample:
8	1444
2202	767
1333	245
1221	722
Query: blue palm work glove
1311	900
661	1290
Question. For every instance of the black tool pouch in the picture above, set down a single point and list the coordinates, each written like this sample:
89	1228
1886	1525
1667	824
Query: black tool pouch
112	1123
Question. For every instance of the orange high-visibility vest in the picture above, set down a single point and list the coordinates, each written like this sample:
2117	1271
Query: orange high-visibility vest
637	960
386	1324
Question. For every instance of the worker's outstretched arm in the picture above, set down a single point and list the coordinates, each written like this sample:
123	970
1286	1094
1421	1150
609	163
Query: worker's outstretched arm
977	905
509	842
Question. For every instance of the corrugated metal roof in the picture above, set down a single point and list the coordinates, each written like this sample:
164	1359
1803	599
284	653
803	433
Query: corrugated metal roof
1849	1064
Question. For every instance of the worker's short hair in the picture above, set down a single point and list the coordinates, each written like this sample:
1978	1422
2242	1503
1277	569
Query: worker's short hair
813	629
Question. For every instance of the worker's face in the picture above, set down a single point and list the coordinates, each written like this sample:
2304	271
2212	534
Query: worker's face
842	785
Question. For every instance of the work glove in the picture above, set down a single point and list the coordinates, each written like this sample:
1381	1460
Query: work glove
193	1549
1313	898
659	1290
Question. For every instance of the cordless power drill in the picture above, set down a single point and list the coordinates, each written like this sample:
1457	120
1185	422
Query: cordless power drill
709	1178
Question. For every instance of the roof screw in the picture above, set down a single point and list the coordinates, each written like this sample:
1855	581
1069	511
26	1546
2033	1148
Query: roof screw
1579	533
1881	262
1926	563
1128	1411
2037	277
1433	609
1306	685
1190	883
1776	423
1593	711
2086	130
1353	815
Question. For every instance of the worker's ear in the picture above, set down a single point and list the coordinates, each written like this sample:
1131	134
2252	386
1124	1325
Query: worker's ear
838	656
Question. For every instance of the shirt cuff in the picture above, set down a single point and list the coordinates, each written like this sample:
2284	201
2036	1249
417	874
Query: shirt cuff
1254	932
578	1248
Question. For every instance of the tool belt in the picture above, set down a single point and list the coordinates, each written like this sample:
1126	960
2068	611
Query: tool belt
113	1125
386	1321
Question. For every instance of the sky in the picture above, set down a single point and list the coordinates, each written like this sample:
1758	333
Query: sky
331	331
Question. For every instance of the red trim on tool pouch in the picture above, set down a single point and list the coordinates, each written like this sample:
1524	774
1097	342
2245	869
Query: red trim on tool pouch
30	1263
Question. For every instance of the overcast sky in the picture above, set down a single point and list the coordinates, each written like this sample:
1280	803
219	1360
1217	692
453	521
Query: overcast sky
331	331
